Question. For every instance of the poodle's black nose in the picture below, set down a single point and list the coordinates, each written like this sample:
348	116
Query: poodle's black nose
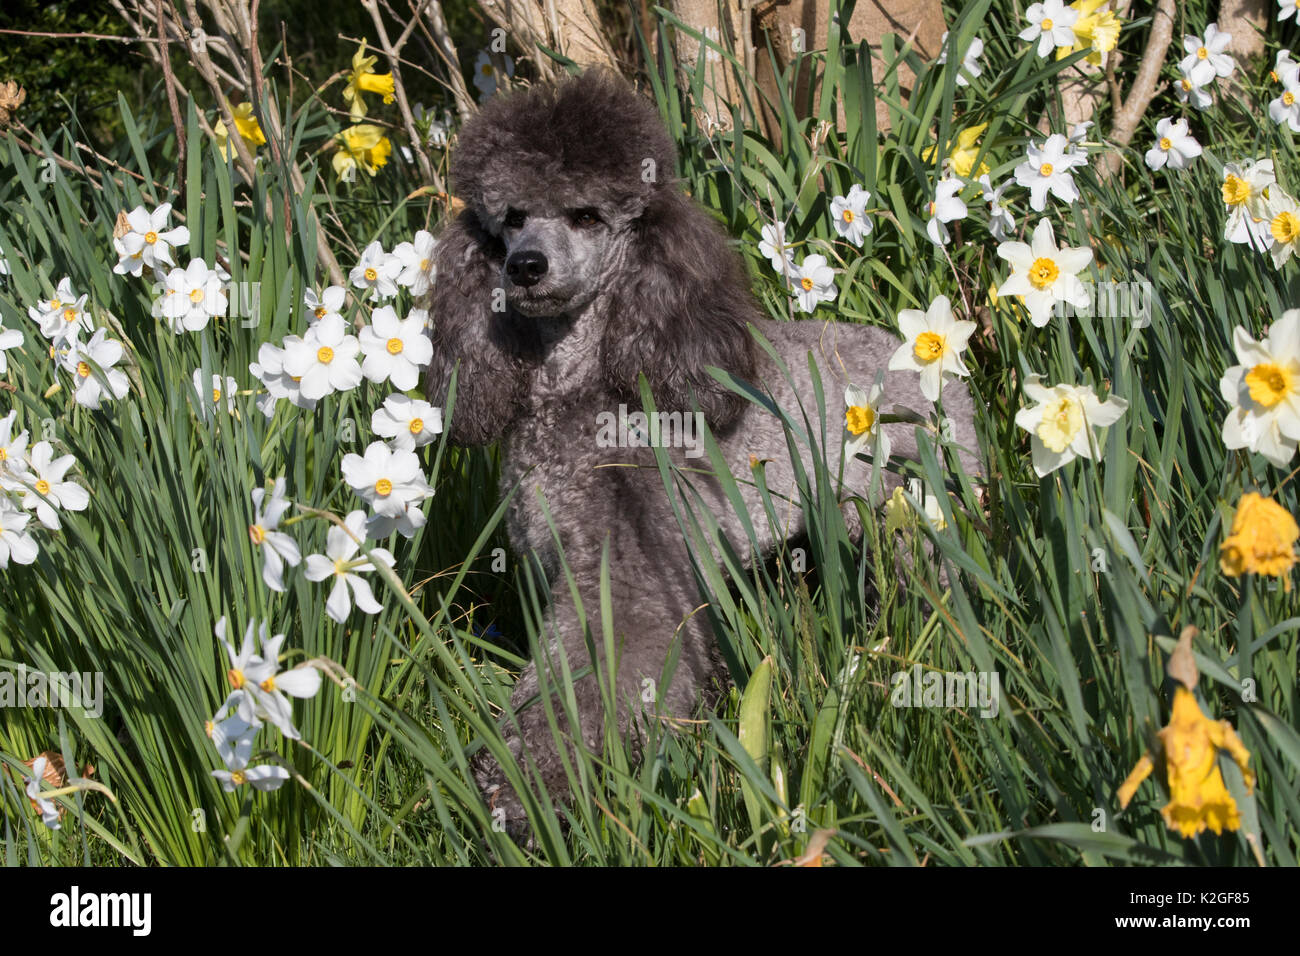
526	268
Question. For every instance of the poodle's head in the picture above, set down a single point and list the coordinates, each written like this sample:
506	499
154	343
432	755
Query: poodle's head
570	195
560	174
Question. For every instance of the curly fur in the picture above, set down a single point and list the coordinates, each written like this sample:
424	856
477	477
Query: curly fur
669	301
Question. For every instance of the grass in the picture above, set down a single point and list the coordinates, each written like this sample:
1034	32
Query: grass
1072	588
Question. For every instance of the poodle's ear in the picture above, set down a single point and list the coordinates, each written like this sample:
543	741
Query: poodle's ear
469	333
680	304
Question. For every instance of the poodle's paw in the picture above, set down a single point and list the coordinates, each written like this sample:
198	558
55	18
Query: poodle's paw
507	810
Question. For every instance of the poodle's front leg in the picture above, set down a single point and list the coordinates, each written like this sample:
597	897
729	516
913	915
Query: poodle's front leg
653	607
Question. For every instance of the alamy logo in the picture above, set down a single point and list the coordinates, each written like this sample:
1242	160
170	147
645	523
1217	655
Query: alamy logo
73	909
916	688
660	430
53	689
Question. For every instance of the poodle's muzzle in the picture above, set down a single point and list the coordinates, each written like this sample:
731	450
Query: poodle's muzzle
553	266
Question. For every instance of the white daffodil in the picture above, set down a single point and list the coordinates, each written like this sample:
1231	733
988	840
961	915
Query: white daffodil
14	470
406	422
1206	58
1286	108
269	370
1078	137
62	298
439	129
1048	168
264	777
1283	216
379	526
325	359
416	260
277	547
93	375
388	480
1263	391
1062	421
1051	23
48	809
1189	93
1245	195
9	339
933	343
46	489
192	297
243	662
340	562
946	207
395	349
4	264
863	433
16	542
773	245
1001	223
149	241
927	505
64	317
850	215
813	281
267	685
219	390
486	74
1174	146
232	736
970	67
1286	8
377	272
329	302
1043	275
1284	67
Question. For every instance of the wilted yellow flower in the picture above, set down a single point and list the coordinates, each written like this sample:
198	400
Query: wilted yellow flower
362	145
1190	745
249	130
962	157
364	79
1098	30
1262	539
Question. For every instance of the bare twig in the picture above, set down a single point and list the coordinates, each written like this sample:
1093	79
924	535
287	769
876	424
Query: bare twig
392	52
164	57
1143	90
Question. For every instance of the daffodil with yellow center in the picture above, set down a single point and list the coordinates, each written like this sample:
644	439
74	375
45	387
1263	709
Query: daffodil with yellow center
1062	421
862	431
1096	31
250	131
1190	746
1263	391
383	487
1262	540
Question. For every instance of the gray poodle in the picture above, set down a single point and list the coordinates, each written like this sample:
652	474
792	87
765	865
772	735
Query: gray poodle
578	265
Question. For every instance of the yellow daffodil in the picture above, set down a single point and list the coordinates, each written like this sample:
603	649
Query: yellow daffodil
1095	30
1190	746
362	145
364	79
249	130
1262	539
963	155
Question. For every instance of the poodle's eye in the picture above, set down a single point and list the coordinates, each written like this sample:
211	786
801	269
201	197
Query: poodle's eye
515	218
585	218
